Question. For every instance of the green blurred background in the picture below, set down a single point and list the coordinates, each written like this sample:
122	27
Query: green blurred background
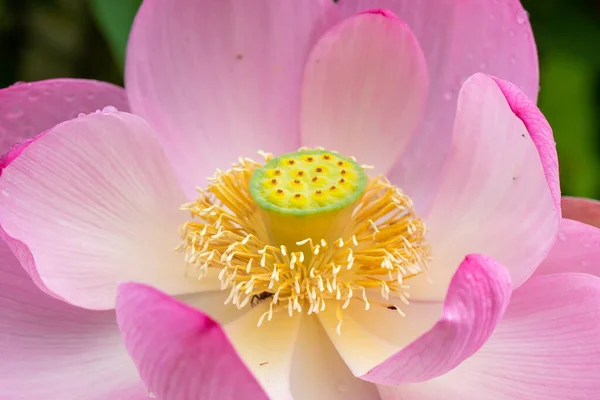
42	39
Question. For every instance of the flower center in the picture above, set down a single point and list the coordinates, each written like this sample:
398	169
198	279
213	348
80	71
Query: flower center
307	194
305	231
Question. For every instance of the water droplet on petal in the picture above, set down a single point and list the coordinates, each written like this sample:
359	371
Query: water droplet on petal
511	33
584	264
33	95
342	388
483	66
448	96
470	56
109	109
522	16
17	83
80	115
562	237
512	59
15	112
70	97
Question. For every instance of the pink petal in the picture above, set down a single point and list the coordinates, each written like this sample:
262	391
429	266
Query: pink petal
221	79
477	298
51	350
27	109
500	194
365	89
540	131
283	359
180	352
546	347
577	249
582	210
92	202
458	38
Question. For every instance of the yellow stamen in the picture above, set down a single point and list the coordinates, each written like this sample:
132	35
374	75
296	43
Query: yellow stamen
306	254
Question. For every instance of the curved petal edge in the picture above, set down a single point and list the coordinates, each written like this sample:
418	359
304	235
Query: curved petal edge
540	131
27	109
180	352
477	298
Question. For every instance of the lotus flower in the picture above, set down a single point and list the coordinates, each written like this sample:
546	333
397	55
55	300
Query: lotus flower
299	273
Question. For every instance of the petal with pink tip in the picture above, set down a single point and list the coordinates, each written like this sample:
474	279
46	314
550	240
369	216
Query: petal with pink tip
302	365
92	202
27	109
221	79
364	89
582	210
180	352
500	195
577	249
52	350
546	347
389	352
458	38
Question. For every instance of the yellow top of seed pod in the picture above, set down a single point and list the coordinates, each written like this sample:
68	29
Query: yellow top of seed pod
307	182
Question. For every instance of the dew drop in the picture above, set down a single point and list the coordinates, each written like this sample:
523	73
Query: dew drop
33	95
5	194
522	16
342	388
14	113
562	237
483	66
584	264
511	33
28	131
109	109
17	83
70	97
80	115
448	96
512	59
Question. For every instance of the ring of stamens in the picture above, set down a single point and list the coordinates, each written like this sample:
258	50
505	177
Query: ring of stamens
381	245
